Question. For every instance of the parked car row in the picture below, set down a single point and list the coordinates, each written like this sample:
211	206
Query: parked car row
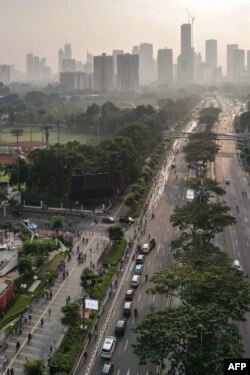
120	328
122	220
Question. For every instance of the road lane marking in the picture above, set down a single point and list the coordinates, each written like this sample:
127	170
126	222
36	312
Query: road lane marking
125	347
236	242
161	265
246	219
247	243
158	228
158	248
139	297
154	298
128	372
148	263
118	372
168	230
163	252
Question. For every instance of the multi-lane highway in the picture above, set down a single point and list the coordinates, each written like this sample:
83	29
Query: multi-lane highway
169	191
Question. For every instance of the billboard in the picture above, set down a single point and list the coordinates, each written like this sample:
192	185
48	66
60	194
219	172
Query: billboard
99	185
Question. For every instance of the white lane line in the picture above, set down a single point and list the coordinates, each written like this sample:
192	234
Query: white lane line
163	252
236	242
233	231
139	297
158	228
154	298
118	372
238	253
158	248
128	372
246	219
161	265
247	243
148	263
125	347
168	230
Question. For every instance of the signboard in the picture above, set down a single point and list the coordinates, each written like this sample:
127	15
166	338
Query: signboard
91	304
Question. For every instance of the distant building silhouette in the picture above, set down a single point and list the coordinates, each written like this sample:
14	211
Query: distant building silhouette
36	69
103	73
68	65
165	66
146	63
185	59
238	64
230	49
127	72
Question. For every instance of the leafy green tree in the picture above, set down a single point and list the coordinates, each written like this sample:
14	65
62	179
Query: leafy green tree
25	264
202	220
201	147
212	187
71	313
115	232
57	223
35	367
88	278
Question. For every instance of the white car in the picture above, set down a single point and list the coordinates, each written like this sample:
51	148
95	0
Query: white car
108	347
237	264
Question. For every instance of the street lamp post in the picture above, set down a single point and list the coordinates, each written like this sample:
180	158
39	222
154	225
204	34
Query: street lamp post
17	133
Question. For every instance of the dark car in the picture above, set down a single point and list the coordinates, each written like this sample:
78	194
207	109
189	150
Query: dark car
127	309
126	220
107	369
108	220
129	294
120	327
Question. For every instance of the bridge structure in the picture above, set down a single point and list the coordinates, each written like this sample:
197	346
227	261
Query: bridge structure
167	134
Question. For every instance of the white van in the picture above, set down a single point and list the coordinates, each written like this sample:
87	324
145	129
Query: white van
108	347
237	264
145	248
135	281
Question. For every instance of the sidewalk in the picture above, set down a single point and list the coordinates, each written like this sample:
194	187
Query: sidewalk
52	331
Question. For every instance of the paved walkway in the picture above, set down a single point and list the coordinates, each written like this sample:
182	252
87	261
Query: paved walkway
47	337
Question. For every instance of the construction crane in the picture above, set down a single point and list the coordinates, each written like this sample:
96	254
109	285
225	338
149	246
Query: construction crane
191	19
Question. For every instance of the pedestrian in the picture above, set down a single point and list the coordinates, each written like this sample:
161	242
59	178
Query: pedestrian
50	349
30	318
85	256
85	355
50	294
49	311
8	372
89	336
12	371
41	322
67	273
90	250
96	334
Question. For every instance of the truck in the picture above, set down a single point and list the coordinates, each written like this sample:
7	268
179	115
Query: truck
190	196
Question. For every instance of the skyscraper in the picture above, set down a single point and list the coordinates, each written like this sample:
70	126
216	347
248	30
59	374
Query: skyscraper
68	65
30	66
103	72
67	51
165	66
211	53
230	49
60	59
238	63
185	59
135	50
146	63
248	63
127	72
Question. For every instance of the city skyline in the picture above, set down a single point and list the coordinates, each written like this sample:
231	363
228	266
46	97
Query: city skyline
91	25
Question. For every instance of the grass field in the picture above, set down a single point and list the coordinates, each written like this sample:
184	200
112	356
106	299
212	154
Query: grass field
36	134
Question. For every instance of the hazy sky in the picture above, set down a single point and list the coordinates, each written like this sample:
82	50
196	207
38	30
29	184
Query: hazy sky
43	26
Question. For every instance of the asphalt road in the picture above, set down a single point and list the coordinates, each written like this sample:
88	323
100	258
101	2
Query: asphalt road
237	237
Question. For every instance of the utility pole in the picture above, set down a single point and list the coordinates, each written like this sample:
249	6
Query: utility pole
17	133
46	128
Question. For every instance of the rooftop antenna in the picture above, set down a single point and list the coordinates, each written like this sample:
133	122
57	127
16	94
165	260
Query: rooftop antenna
191	19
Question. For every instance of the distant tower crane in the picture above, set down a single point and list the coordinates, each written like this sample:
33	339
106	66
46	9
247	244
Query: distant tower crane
191	19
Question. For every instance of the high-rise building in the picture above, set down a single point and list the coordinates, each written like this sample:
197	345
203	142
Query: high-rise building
60	59
165	66
67	51
238	63
5	71
68	65
75	80
248	63
186	57
135	50
88	66
103	73
230	49
30	66
211	53
146	63
127	72
116	52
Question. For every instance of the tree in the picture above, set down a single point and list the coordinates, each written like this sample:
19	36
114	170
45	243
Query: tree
212	187
36	367
71	313
201	147
202	220
57	223
88	278
115	232
25	264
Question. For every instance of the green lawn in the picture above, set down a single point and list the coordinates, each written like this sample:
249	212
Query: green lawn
36	134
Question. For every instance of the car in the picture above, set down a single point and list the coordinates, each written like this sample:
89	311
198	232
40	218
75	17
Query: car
152	244
138	269
108	347
140	259
145	248
120	327
173	165
227	181
107	369
126	220
135	281
108	220
237	264
127	309
129	294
